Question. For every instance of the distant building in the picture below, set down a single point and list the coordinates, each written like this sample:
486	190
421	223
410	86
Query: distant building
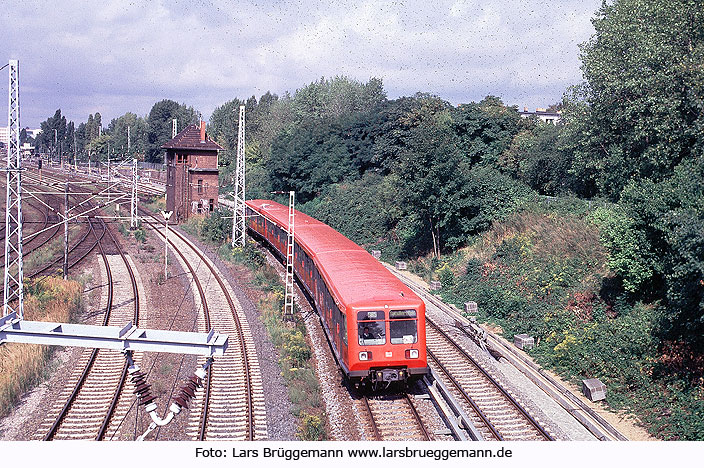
5	133
191	173
542	114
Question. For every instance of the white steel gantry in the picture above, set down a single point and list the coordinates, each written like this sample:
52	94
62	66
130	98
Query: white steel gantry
238	218
13	301
288	301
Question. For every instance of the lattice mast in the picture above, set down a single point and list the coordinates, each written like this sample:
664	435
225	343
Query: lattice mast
13	301
288	301
133	202
238	218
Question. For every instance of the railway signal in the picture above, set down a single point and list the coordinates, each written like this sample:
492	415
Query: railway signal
166	215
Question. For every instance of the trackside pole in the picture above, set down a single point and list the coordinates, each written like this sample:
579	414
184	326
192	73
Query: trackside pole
238	218
13	287
288	302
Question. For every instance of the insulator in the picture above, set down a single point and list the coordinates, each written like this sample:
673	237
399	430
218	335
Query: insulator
188	391
141	388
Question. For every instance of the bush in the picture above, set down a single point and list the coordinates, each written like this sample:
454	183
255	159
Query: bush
312	427
216	228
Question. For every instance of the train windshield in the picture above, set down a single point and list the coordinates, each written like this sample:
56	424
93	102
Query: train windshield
371	328
403	326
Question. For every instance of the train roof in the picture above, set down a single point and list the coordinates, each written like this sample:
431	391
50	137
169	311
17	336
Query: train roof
355	277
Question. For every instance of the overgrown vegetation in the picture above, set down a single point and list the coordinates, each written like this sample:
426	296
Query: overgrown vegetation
22	366
550	276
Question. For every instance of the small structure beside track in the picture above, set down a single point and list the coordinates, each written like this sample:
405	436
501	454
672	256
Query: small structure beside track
191	173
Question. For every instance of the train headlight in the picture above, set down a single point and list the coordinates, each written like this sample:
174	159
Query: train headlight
365	355
411	354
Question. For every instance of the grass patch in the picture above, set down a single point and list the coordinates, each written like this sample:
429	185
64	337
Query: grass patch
41	257
155	204
22	366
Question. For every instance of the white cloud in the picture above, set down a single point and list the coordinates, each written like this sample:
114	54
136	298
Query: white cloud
122	53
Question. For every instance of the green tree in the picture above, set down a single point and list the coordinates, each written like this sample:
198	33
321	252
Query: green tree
160	124
669	218
536	158
485	129
138	139
53	135
417	145
644	110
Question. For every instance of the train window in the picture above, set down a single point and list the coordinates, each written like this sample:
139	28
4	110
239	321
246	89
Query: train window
371	327
403	326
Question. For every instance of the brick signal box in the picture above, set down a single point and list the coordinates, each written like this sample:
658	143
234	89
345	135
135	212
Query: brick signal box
191	173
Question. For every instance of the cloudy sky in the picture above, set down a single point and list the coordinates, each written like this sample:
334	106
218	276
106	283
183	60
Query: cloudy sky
114	57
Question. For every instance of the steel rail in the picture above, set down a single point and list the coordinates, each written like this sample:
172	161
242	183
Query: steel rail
206	315
416	416
467	398
493	381
238	324
123	376
91	360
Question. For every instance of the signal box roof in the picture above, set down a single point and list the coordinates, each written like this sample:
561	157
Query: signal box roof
189	138
351	272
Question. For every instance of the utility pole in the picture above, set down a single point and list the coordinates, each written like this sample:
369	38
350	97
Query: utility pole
288	301
133	204
66	231
109	181
238	218
128	139
13	287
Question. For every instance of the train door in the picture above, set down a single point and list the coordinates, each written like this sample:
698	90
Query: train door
343	335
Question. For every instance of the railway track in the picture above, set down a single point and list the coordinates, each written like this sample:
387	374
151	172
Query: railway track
231	403
497	414
49	229
394	417
85	408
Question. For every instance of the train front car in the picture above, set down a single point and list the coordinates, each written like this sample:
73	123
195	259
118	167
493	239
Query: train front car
374	323
388	341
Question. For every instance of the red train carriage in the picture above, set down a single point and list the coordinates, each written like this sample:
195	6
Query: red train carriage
375	324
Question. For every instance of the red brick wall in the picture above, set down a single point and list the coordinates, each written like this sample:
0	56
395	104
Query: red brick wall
182	185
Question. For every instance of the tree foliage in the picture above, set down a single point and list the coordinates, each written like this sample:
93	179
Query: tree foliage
159	123
644	88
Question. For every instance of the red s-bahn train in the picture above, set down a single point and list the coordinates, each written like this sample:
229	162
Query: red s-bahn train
375	324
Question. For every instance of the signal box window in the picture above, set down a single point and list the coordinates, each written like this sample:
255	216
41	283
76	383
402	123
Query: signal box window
403	326
371	328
